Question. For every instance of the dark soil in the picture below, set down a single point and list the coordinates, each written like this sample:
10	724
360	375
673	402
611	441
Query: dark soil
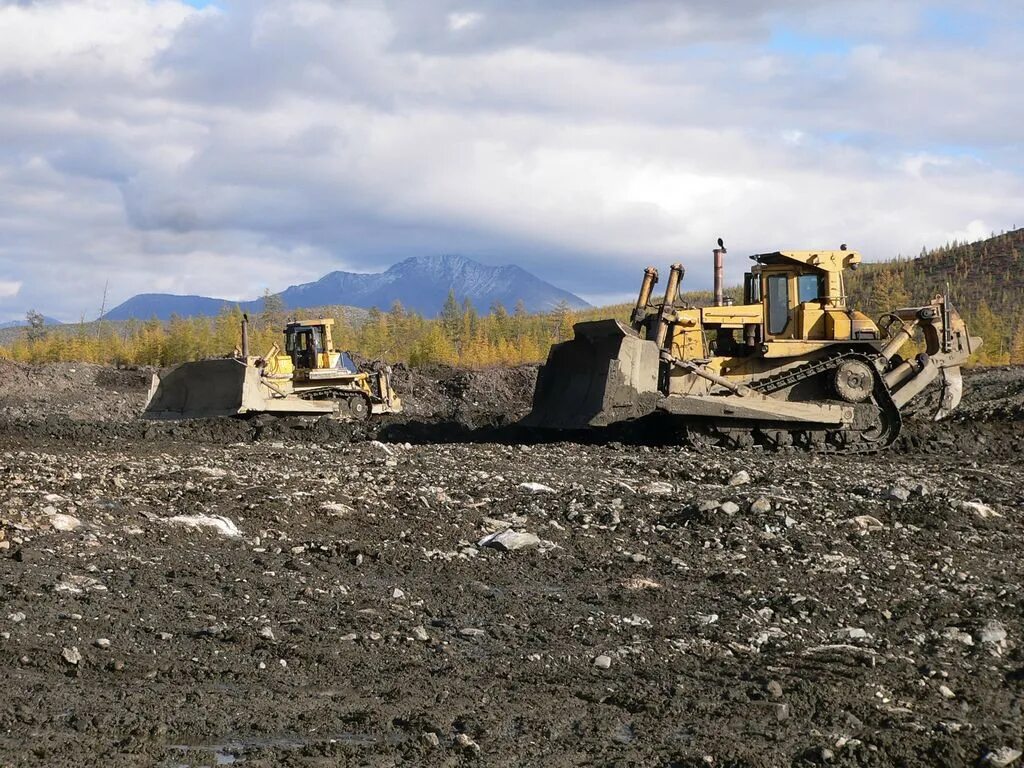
832	610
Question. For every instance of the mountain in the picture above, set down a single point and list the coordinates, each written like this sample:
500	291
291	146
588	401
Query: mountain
421	283
24	323
162	305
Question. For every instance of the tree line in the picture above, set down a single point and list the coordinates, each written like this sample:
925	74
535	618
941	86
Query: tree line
458	335
984	280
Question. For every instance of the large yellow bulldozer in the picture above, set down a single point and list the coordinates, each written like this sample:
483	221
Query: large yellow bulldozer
791	365
309	378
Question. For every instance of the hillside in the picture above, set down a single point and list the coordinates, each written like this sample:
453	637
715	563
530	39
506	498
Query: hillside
24	323
421	284
985	282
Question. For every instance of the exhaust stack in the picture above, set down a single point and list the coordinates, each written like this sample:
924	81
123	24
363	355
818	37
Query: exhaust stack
245	335
720	274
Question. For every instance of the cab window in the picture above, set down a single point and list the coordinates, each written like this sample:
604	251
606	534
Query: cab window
751	289
778	303
810	288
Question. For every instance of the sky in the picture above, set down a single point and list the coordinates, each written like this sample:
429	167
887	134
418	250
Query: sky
222	148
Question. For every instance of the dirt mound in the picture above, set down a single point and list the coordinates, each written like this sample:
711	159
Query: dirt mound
989	394
80	391
443	392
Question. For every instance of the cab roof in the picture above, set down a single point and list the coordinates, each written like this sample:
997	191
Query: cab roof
307	323
827	261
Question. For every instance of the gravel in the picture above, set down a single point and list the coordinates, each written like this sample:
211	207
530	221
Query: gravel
820	624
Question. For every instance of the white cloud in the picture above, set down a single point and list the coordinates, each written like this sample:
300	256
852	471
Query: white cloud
86	38
9	288
460	21
223	151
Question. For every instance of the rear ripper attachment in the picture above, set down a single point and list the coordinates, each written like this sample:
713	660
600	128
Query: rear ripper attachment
790	365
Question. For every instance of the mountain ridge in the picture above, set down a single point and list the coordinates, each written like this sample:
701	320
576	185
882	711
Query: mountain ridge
420	283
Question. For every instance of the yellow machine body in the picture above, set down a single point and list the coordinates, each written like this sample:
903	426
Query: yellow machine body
308	377
792	362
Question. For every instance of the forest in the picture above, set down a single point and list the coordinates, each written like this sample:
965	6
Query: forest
983	279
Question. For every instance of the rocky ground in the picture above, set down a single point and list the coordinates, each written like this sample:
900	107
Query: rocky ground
445	589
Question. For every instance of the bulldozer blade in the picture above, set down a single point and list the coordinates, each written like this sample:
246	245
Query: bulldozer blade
224	387
952	391
207	388
606	373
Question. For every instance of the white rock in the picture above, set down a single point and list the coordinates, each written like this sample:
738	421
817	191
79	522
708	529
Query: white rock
267	633
897	493
947	692
740	478
978	509
958	635
421	634
602	661
382	447
336	508
102	642
430	739
657	488
212	472
71	655
730	507
993	633
707	618
219	523
16	618
760	506
866	523
61	522
852	633
1003	757
509	540
536	488
471	632
75	584
640	582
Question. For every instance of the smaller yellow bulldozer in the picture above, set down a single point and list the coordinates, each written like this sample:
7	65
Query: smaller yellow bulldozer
792	365
309	378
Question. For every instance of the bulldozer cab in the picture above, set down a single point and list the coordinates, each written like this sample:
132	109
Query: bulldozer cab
308	343
303	345
803	295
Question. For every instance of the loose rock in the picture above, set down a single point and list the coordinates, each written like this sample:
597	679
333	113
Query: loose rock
1003	757
536	488
740	478
510	540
